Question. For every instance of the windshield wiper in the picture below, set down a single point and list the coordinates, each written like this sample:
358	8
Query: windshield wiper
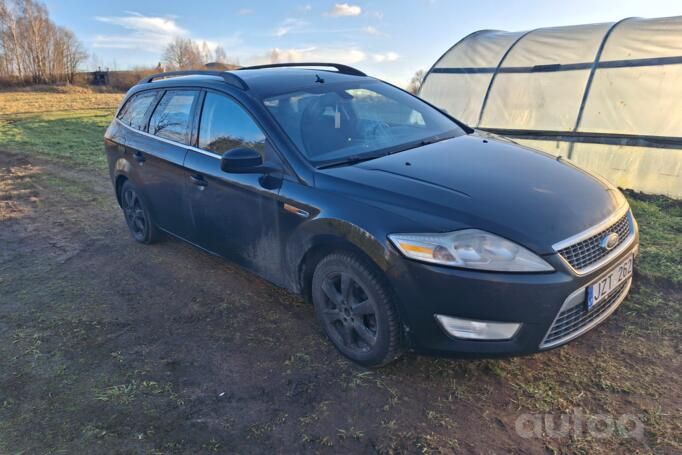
416	144
434	139
354	159
350	160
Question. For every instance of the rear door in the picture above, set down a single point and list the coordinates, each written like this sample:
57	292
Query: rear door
161	158
234	215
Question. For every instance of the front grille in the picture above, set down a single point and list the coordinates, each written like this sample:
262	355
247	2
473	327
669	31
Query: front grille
588	251
572	320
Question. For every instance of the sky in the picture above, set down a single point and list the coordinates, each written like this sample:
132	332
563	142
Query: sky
390	40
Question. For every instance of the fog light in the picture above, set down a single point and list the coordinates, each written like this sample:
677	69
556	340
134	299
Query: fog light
477	330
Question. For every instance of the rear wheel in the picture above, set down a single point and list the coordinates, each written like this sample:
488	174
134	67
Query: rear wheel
353	303
137	215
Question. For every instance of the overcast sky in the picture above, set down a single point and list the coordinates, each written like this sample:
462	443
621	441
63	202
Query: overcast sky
388	39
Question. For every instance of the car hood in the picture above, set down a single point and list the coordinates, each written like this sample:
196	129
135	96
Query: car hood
483	182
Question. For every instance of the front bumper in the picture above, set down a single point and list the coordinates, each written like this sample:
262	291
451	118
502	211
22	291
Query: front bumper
534	300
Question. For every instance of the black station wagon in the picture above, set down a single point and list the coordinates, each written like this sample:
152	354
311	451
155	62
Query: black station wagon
405	228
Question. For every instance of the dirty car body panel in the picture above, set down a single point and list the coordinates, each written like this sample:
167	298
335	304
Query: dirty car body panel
278	218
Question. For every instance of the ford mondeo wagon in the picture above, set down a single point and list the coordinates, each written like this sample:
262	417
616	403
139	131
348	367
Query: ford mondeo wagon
405	228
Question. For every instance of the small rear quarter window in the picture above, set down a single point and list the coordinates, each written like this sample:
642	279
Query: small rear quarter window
135	110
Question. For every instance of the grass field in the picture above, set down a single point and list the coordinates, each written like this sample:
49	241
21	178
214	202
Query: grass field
51	99
67	127
111	347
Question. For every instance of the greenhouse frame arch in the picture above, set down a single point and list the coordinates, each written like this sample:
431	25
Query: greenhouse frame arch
606	96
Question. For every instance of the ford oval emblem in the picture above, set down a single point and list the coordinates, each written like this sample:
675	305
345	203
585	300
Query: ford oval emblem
609	241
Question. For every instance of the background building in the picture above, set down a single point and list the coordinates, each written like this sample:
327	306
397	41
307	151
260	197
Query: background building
606	96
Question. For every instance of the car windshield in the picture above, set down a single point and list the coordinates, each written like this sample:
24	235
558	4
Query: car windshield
349	121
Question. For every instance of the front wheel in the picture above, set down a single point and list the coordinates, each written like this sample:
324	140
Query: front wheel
354	305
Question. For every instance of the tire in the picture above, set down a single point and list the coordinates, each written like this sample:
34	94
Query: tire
354	305
137	215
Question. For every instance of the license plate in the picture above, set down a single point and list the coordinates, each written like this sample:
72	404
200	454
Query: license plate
599	290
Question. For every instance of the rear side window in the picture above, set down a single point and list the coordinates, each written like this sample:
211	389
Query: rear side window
172	118
133	113
225	125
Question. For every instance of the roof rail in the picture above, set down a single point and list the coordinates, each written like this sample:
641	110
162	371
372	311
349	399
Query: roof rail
344	69
228	77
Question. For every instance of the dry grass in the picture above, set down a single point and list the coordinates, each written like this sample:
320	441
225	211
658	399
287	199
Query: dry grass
64	123
64	98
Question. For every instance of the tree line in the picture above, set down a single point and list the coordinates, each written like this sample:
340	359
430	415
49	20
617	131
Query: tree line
33	49
179	54
185	53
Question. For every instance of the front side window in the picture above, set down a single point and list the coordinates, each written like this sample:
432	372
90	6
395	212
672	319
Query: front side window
225	125
134	111
172	118
333	122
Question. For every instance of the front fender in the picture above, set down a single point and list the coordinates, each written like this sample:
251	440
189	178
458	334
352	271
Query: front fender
336	219
331	231
338	234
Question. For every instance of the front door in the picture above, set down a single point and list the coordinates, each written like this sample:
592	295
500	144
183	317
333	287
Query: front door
234	215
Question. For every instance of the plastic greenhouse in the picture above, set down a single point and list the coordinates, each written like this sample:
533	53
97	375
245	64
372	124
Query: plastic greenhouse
606	96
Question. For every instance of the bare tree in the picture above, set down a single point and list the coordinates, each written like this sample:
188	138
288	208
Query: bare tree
32	47
220	55
183	53
416	82
275	56
9	40
73	55
206	54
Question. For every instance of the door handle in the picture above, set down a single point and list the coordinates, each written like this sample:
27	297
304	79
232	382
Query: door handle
198	180
139	157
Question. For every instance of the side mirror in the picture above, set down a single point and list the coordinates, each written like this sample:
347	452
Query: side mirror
241	160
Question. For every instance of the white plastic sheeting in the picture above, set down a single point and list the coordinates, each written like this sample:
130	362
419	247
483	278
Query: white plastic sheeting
607	96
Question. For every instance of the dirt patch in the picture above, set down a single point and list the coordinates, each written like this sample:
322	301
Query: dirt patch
18	194
109	346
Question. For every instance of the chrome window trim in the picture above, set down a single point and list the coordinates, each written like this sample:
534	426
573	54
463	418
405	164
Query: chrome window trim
627	243
168	141
577	298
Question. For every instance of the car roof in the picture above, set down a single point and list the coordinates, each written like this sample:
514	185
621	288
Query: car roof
278	80
258	82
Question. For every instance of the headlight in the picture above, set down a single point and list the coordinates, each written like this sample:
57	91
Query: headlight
471	249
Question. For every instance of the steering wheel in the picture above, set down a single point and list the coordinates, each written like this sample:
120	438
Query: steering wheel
381	130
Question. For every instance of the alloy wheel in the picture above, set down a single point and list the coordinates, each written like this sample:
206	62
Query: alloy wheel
349	312
135	214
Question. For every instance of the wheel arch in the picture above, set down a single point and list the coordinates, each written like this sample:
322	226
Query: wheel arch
121	173
370	250
318	250
118	185
322	237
